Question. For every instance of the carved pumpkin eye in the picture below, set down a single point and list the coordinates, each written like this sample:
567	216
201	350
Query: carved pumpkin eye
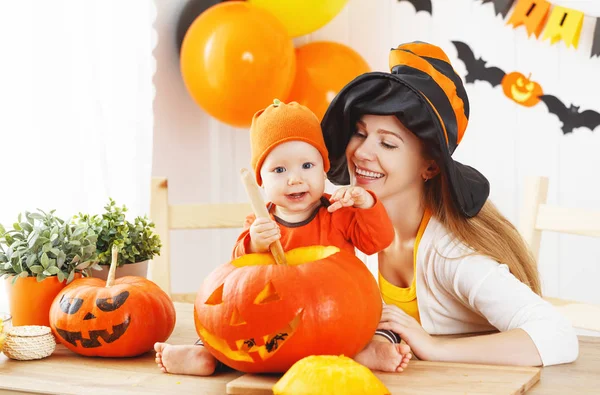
520	81
70	305
267	295
111	304
529	86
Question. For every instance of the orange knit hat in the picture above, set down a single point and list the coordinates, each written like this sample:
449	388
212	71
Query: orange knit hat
282	122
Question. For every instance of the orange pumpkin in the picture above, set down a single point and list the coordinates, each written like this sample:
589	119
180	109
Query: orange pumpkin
521	89
116	318
258	316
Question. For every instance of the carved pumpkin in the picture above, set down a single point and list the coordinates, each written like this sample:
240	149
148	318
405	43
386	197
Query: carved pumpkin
329	374
116	318
258	316
521	89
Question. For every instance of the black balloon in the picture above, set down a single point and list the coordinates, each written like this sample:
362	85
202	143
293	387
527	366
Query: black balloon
188	15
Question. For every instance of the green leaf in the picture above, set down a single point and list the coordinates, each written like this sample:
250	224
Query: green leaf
60	259
27	226
55	251
53	237
40	277
53	270
45	260
36	216
16	226
31	260
71	276
23	274
75	242
37	269
61	276
47	247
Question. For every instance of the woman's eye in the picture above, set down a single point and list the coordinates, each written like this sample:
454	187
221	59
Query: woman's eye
387	146
279	169
360	134
307	165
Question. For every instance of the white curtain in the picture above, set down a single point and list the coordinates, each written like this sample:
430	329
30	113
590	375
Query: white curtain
75	106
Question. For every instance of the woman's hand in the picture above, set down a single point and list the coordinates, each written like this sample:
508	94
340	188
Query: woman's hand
423	345
350	196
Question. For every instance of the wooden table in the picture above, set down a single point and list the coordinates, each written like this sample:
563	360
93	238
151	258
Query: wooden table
67	373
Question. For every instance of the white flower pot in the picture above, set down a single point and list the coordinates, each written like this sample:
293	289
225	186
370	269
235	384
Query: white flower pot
139	269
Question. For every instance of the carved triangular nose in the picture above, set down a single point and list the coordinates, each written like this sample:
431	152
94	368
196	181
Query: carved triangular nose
89	316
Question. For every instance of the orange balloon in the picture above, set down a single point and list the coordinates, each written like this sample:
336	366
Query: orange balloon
323	68
235	59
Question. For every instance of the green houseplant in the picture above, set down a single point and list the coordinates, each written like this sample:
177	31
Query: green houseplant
39	256
137	241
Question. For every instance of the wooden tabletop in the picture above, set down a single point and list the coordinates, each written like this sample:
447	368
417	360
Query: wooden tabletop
67	373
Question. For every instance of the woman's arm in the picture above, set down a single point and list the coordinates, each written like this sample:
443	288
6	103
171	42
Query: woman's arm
532	332
513	347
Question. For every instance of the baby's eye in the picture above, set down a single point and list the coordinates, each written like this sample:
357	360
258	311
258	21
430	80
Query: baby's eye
279	169
307	165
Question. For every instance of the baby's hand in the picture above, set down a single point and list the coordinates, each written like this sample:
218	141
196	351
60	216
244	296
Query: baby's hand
263	233
350	196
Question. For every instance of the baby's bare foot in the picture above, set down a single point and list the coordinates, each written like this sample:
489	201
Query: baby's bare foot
385	356
192	360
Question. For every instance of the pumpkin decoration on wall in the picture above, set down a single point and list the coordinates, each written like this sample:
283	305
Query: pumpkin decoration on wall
264	312
116	318
521	89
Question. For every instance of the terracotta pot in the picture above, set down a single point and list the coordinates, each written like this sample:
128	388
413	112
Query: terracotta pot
30	300
139	269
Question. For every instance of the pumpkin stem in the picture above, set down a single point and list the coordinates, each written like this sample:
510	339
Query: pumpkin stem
260	210
113	266
529	77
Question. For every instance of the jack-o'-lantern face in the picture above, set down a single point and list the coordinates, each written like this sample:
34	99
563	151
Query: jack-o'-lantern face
521	89
121	320
88	312
257	316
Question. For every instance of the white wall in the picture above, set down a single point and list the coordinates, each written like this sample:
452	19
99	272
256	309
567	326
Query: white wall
505	141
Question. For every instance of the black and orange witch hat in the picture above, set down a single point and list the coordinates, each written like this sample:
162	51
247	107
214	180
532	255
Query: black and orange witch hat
428	97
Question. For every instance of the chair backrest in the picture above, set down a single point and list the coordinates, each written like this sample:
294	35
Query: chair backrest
537	216
167	217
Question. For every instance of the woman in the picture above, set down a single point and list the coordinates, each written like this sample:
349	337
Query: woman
456	265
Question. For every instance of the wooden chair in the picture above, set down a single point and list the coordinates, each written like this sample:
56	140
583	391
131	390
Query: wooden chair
167	217
536	217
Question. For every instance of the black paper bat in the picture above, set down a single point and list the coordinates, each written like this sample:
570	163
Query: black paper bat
500	6
420	5
571	117
476	69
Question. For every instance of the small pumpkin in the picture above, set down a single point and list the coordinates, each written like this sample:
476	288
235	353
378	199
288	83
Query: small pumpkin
116	318
256	315
521	89
329	375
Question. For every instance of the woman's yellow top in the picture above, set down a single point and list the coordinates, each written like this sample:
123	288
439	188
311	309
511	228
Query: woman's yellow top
406	298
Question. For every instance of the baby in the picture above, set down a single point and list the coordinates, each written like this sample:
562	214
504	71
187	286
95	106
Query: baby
290	162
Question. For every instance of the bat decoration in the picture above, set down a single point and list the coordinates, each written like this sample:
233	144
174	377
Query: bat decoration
476	68
522	90
570	116
500	6
420	5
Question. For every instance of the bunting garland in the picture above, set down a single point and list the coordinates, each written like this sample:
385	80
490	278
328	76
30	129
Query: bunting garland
556	22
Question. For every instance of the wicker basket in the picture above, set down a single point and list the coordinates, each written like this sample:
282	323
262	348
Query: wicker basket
29	342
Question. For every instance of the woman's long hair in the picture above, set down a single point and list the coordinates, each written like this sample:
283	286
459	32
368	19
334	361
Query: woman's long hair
488	233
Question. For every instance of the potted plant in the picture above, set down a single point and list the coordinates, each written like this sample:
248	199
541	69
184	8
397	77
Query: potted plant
137	241
39	257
